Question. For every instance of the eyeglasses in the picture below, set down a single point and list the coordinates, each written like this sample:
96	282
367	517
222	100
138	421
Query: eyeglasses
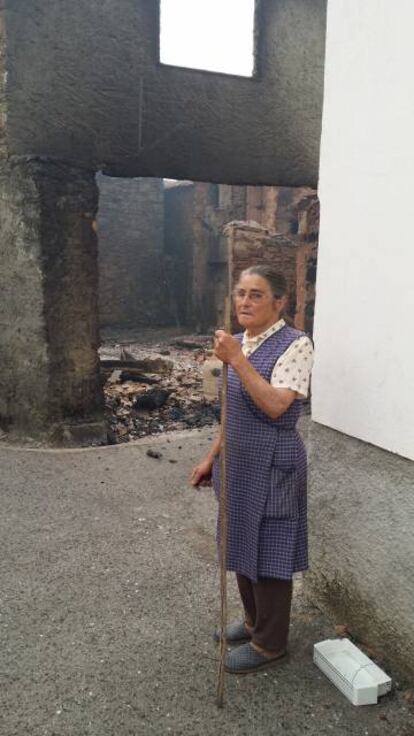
254	295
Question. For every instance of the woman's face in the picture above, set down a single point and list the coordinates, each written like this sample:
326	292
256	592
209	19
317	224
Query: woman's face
256	307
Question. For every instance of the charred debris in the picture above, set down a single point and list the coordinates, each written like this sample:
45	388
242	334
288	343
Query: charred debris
150	389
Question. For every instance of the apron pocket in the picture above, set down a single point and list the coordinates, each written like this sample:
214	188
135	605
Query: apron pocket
285	455
283	498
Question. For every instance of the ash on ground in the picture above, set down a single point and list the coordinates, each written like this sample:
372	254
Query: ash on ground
153	386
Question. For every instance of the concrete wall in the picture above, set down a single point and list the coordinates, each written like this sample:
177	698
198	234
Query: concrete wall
84	84
365	290
131	244
362	505
361	542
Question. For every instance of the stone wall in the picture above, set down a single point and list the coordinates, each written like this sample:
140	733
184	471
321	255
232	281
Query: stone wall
251	244
49	382
161	250
24	375
288	241
195	243
132	283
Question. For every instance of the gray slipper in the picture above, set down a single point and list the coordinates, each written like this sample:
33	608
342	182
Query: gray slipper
245	659
234	632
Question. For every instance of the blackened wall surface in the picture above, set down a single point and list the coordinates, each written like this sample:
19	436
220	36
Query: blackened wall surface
68	200
84	85
179	246
23	355
49	379
132	282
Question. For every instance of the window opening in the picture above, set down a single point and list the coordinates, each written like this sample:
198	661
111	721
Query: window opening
213	35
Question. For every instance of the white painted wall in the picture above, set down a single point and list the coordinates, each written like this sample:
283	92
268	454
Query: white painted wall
363	381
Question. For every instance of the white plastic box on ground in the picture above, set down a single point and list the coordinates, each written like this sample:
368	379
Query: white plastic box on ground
353	673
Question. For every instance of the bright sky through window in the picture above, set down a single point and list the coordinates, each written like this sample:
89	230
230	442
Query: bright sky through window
216	35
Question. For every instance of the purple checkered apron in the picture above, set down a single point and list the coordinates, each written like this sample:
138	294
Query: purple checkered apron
266	477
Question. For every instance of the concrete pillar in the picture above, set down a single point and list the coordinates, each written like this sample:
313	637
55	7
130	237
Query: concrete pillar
49	379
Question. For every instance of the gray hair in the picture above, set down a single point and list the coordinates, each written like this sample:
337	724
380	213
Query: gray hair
276	281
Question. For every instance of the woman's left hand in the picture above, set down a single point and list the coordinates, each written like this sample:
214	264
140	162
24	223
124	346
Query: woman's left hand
226	347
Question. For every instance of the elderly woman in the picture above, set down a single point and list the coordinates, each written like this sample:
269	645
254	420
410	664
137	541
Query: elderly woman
269	370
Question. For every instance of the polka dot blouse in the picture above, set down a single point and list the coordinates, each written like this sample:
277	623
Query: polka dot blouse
293	368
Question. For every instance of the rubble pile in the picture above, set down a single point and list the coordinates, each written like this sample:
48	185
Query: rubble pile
155	388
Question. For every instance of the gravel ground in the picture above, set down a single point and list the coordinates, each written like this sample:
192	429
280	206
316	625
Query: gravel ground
109	595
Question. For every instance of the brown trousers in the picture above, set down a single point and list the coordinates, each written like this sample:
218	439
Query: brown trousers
267	609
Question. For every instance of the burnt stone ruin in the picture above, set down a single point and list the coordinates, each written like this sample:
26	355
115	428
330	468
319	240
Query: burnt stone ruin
82	92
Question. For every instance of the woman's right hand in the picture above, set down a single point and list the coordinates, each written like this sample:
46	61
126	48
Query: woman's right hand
201	474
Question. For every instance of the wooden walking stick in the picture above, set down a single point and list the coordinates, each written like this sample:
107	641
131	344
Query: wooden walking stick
223	485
